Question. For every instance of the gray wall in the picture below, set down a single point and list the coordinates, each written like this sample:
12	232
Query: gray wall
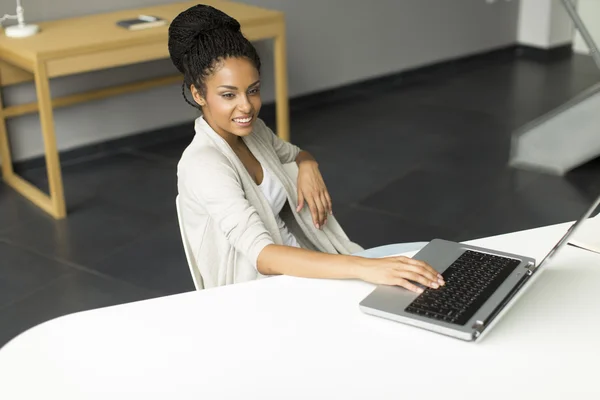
347	41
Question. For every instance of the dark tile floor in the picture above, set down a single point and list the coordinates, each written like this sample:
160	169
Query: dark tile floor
403	162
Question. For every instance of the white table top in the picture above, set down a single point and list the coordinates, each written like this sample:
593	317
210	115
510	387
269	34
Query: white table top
292	338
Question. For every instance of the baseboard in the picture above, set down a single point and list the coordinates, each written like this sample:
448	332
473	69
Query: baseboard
134	141
545	55
422	73
318	99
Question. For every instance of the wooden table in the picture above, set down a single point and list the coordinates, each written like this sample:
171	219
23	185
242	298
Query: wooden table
77	45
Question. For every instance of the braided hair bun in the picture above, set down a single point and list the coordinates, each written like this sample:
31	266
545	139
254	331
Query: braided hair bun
200	37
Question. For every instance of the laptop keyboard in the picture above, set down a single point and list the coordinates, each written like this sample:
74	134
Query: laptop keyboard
470	281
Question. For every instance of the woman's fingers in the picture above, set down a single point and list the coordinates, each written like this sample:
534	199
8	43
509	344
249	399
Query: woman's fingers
415	271
317	210
416	277
432	276
388	271
419	264
328	202
314	211
321	212
300	201
326	207
407	285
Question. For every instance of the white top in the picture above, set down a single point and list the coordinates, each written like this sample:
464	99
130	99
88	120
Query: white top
275	194
294	338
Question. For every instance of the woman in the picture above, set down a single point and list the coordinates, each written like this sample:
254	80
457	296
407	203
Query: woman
244	215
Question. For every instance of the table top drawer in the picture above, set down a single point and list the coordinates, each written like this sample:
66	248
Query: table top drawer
107	59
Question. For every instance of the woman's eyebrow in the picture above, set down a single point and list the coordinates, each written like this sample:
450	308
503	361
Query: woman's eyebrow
235	88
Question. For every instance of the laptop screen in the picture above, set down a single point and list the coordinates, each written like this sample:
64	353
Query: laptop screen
584	233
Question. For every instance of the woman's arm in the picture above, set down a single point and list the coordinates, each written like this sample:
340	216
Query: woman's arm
215	186
284	260
304	156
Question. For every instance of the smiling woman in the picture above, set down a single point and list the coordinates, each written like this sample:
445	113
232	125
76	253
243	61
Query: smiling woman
245	218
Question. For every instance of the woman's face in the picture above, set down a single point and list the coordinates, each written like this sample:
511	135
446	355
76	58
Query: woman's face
232	99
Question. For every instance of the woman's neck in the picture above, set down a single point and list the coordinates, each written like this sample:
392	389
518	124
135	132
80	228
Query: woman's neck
232	140
235	142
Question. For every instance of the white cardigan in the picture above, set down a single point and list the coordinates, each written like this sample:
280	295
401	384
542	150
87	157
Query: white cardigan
227	219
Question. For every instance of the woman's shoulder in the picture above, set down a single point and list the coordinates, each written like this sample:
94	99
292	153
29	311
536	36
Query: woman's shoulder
201	157
261	128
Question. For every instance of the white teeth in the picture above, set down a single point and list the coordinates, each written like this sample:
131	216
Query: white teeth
243	120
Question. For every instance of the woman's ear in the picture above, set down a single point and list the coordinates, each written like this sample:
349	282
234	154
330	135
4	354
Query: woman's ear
197	96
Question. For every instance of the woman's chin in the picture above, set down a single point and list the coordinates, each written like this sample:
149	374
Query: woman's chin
242	130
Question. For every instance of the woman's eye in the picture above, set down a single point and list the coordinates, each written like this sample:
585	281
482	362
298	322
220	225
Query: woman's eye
228	95
254	91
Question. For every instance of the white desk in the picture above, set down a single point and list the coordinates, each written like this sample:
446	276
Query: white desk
289	338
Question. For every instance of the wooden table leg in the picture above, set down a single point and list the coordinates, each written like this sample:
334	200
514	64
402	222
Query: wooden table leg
5	158
42	86
28	190
281	85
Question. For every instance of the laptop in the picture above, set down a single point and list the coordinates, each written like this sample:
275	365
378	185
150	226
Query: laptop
480	284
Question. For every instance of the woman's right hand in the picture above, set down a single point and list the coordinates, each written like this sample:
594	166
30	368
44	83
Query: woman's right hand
399	271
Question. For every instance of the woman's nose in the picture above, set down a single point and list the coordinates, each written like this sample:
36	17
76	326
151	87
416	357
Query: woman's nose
244	105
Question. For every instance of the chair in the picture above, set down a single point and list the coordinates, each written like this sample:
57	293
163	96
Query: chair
194	270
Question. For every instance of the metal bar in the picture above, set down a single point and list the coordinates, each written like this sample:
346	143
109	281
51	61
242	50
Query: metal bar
585	34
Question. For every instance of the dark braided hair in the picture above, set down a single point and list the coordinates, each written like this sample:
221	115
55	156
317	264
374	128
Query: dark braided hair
200	38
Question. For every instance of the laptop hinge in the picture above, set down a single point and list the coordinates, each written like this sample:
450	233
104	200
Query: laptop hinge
477	328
